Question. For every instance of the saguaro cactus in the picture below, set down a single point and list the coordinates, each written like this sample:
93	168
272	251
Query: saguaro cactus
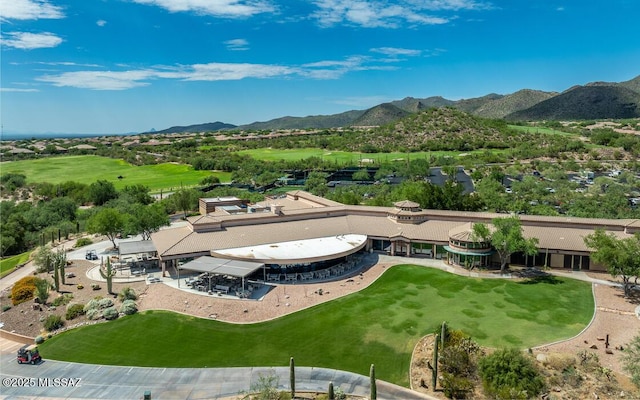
372	383
61	260
331	394
434	378
292	377
108	274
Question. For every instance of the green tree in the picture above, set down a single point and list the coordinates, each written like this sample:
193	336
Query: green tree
108	222
316	183
493	195
506	237
138	194
148	219
509	374
102	191
361	175
43	259
185	200
621	257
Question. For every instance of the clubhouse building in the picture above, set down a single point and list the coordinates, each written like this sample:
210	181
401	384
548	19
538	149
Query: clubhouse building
298	236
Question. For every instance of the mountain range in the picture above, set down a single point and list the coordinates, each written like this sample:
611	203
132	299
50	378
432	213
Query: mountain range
595	100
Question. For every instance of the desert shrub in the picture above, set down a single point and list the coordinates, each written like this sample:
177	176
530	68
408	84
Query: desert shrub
91	305
455	387
631	360
509	374
560	363
127	294
74	311
93	314
95	286
6	307
110	313
23	290
129	307
458	364
53	322
105	303
82	242
39	339
62	300
42	290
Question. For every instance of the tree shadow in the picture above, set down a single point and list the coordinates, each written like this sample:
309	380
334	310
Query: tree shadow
534	276
633	297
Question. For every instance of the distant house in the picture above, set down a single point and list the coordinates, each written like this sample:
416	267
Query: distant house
19	150
83	147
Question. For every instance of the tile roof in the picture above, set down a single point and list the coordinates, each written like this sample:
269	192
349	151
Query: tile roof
312	217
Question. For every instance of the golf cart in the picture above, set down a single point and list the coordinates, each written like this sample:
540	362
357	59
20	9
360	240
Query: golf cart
28	354
91	255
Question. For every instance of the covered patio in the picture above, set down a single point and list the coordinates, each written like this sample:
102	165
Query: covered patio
221	276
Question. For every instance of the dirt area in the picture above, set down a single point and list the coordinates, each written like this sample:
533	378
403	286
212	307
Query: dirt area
26	320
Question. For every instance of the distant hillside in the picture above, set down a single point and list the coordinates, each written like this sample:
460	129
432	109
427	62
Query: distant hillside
585	102
633	84
414	105
208	127
444	128
595	100
310	122
520	100
380	115
471	105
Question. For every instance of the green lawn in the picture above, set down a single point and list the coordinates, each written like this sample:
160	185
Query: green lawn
7	265
345	157
379	325
88	169
540	129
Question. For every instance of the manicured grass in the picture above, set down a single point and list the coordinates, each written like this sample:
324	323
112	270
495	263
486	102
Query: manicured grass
7	265
351	158
379	325
540	129
88	169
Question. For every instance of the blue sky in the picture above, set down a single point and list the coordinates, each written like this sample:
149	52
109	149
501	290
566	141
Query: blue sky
116	66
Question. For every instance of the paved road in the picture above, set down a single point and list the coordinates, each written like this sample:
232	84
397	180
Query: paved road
87	381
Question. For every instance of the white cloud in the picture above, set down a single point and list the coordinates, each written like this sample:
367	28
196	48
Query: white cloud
218	8
29	9
5	89
237	44
395	51
30	41
227	72
100	80
101	23
373	14
450	5
132	78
